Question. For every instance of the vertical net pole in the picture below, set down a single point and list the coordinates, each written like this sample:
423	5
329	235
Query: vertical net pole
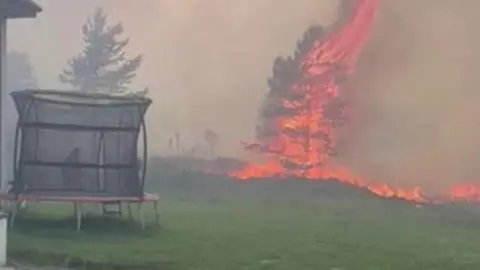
17	181
145	153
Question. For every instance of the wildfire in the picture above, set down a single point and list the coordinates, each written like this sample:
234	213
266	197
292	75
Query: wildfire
302	139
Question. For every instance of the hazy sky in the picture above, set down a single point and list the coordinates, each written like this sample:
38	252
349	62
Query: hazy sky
416	91
206	61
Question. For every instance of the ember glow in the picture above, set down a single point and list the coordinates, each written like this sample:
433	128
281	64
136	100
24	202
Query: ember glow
302	144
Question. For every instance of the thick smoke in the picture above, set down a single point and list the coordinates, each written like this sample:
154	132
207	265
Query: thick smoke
210	60
206	61
417	120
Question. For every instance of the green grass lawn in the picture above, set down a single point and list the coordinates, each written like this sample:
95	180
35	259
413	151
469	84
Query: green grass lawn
331	234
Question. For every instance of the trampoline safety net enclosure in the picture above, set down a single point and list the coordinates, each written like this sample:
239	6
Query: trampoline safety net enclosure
71	143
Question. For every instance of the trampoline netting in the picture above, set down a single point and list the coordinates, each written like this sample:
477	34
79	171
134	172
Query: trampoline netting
76	143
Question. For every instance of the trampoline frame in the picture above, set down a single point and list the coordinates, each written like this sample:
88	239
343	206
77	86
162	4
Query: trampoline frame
18	193
18	160
79	201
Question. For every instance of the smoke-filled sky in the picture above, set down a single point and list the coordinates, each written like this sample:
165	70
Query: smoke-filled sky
206	61
417	92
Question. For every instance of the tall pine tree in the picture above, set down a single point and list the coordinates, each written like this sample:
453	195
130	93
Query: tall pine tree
288	72
102	66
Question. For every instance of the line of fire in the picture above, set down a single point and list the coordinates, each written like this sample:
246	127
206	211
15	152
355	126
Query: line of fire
303	111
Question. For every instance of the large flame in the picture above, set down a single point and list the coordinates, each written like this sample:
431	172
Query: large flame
307	155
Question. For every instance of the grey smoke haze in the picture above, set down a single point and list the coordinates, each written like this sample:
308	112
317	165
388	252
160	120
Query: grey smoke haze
416	95
206	61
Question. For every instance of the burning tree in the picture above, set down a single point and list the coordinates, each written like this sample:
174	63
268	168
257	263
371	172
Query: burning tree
303	109
297	118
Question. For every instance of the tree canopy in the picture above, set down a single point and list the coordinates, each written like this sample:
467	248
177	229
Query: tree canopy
291	97
103	65
286	73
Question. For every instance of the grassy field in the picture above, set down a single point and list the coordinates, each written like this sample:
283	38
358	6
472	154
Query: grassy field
346	233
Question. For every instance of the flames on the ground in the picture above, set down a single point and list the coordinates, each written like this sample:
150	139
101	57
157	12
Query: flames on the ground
333	57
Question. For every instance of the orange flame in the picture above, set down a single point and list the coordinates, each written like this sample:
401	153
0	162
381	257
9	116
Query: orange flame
332	57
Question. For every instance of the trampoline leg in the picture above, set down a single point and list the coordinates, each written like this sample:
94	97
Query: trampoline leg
120	209
155	208
142	218
78	214
14	214
12	219
104	211
129	206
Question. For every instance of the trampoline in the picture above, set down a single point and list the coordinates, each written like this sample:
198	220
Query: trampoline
78	147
